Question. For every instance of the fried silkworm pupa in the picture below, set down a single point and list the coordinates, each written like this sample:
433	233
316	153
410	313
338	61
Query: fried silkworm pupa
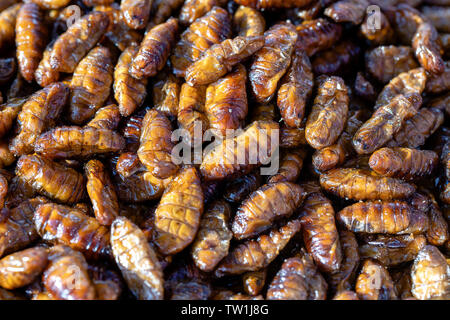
6	156
412	81
428	48
292	137
166	93
155	150
385	122
213	237
101	192
92	3
237	190
264	206
332	156
163	9
52	4
317	35
320	233
386	62
220	59
346	295
439	83
18	230
403	163
256	254
343	278
254	281
50	178
394	250
137	260
154	50
194	9
417	129
221	162
91	84
429	275
31	38
9	112
76	42
438	16
22	268
108	284
129	92
128	164
226	102
392	217
377	36
272	60
295	90
44	74
212	28
136	13
329	113
139	187
7	70
191	114
3	190
61	224
337	59
298	279
248	22
8	19
347	11
291	165
177	216
437	233
405	20
266	4
39	113
374	282
106	118
67	277
118	32
72	141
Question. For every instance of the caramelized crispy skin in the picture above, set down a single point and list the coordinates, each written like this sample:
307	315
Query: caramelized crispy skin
194	9
320	233
106	118
328	116
137	260
44	74
66	277
166	93
50	178
238	189
403	162
129	92
101	192
72	142
139	187
22	268
253	255
231	157
291	165
136	13
264	206
226	102
213	237
76	42
154	50
177	216
428	48
317	35
374	282
298	279
155	150
212	28
272	60
9	112
31	38
385	122
392	217
91	84
39	113
248	22
295	90
61	224
347	11
220	59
